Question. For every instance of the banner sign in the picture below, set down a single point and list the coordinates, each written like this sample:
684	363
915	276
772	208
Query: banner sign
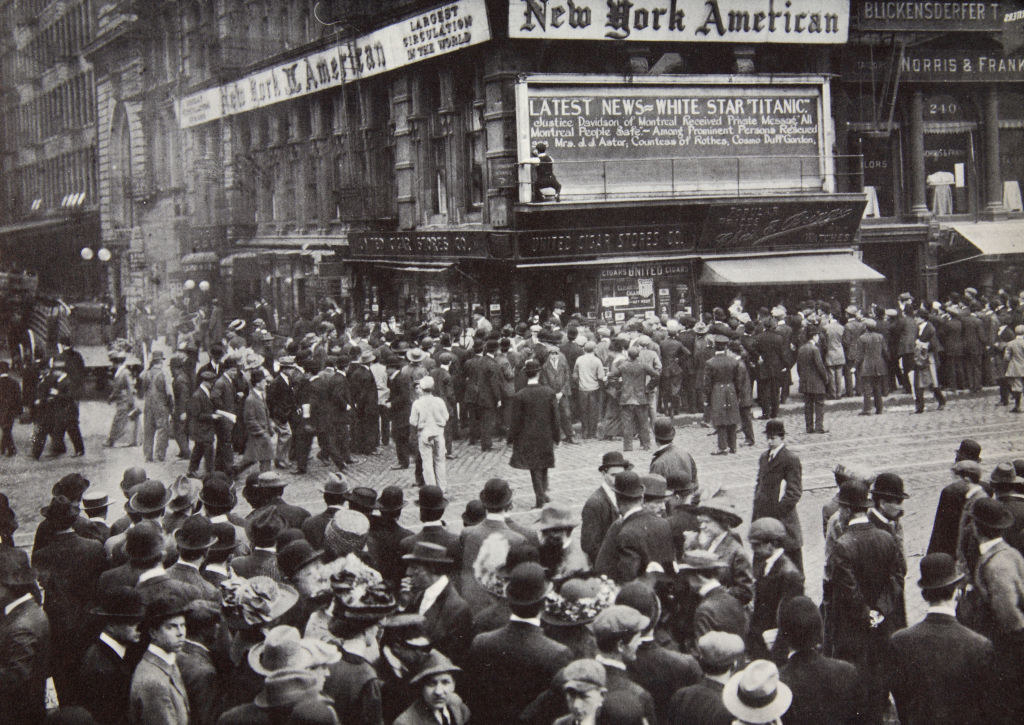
618	138
695	21
926	15
424	246
942	65
429	34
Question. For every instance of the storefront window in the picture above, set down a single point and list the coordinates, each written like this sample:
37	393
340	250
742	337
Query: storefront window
949	155
1011	148
880	173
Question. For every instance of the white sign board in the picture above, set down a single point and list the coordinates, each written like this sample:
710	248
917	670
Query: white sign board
825	22
429	34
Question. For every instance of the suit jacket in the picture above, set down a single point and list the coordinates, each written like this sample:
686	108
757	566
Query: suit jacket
10	400
533	428
925	672
384	544
782	583
738	576
699	703
999	579
258	563
773	355
419	714
68	568
825	690
620	681
201	683
510	667
158	693
487	379
190	575
811	370
633	375
201	426
674	460
282	402
770	476
559	379
661	672
469	544
946	528
719	611
24	664
632	543
102	685
314	527
872	355
599	513
449	624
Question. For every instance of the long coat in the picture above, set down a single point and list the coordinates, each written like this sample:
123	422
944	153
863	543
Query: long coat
1014	356
259	441
811	369
825	690
670	460
632	543
999	579
771	473
24	663
598	515
201	425
722	381
448	624
158	694
783	582
533	428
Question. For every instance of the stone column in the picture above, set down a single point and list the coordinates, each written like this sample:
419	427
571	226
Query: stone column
918	197
993	178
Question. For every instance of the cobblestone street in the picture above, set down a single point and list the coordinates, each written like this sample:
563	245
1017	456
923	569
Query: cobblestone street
918	447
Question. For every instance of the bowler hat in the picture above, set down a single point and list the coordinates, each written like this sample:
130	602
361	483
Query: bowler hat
95	501
527	584
362	496
969	449
225	533
217	493
474	513
61	511
334	485
431	498
664	431
680	483
15	570
163	608
435	664
698	560
618	620
143	541
1005	476
119	603
496	494
132	477
556	516
888	485
71	486
991	513
184	494
628	485
854	494
425	552
195	534
767	529
613	459
655	487
287	687
938	570
391	499
722	511
263	528
531	367
756	694
149	496
775	428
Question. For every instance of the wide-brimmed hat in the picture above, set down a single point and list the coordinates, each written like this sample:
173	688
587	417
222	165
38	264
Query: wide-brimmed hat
425	552
613	459
184	494
263	528
236	325
435	664
391	499
149	496
888	485
938	570
284	688
1005	476
991	513
722	511
756	695
655	487
257	601
362	603
496	493
767	529
700	328
527	584
121	603
362	496
431	498
61	511
71	486
556	516
664	431
628	485
854	494
195	534
15	569
217	492
577	602
284	648
698	560
415	354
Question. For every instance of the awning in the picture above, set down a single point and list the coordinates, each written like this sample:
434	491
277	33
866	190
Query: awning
994	238
788	269
199	259
417	267
601	261
35	224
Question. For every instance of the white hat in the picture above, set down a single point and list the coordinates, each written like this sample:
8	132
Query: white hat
755	694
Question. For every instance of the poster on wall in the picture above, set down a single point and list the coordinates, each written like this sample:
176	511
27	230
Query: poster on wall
614	139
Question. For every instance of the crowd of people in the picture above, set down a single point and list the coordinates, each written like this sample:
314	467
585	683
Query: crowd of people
665	600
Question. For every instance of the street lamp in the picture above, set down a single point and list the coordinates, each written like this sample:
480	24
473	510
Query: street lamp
204	286
190	284
86	253
104	254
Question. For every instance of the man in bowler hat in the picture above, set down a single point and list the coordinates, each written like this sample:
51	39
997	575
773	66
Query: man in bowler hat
638	539
600	509
448	620
779	488
534	430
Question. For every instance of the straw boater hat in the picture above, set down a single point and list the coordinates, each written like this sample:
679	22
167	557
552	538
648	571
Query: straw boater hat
756	695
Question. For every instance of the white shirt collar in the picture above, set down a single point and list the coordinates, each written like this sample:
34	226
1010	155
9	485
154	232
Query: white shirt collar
984	546
431	593
610	662
535	621
188	564
119	649
632	511
496	517
772	454
16	603
156	571
770	561
859	519
942	608
168	657
220	519
609	492
709	586
271	549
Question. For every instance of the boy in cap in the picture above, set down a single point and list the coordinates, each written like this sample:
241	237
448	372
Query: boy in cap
718	653
584	686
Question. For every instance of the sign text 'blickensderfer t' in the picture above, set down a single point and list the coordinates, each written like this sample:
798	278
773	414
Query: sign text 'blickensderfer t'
696	21
927	15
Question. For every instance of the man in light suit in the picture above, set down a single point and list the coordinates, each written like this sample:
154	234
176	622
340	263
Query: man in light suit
600	510
259	442
778	467
638	539
122	394
872	356
158	695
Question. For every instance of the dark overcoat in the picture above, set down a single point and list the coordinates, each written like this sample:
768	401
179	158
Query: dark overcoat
533	428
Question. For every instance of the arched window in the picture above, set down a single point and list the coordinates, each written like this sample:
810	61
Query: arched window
121	169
